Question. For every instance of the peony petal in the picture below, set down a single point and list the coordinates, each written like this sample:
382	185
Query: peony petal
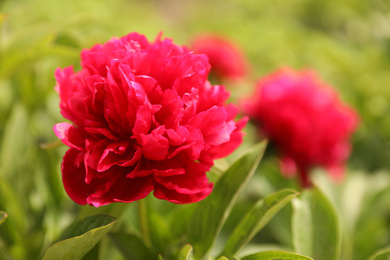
154	146
70	135
101	133
305	120
118	153
168	167
151	87
193	146
173	196
212	96
143	121
236	138
225	57
176	138
171	109
212	123
122	189
73	177
193	181
144	117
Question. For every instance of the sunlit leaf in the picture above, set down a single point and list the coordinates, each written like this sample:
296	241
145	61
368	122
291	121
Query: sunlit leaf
212	212
3	216
15	142
131	246
185	253
256	219
160	234
372	198
315	226
302	227
381	254
85	235
10	202
276	255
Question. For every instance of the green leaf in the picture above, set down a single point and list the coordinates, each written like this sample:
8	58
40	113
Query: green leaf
302	227
381	254
87	224
131	246
225	258
256	219
315	226
160	234
3	216
276	255
212	212
15	141
4	255
185	253
15	226
87	233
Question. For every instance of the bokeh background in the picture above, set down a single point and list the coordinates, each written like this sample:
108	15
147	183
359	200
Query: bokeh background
347	42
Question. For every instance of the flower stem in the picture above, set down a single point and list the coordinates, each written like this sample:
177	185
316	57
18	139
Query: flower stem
143	220
54	144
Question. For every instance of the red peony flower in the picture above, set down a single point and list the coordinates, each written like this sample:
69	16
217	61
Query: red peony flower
305	120
145	119
226	59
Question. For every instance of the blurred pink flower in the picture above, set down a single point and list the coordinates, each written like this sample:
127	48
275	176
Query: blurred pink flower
305	120
226	59
145	119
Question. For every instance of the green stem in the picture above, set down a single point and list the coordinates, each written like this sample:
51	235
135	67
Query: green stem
51	145
143	220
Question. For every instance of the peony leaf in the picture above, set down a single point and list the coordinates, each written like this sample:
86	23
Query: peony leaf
15	141
302	226
4	255
256	219
314	225
10	202
225	258
381	254
212	212
276	255
131	246
85	235
370	195
185	253
160	234
3	216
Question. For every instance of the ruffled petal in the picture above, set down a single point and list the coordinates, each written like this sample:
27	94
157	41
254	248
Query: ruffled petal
70	135
73	176
154	146
163	193
144	118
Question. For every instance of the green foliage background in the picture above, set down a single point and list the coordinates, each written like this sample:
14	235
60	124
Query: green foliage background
346	42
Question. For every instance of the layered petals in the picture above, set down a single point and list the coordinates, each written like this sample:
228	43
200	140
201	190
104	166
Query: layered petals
145	119
226	59
305	120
